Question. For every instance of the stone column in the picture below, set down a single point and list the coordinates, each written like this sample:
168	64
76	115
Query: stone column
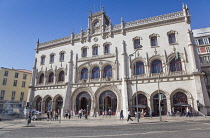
125	66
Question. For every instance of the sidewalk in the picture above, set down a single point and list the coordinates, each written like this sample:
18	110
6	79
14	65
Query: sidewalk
92	121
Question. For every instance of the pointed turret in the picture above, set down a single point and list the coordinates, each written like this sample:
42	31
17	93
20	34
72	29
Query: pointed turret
37	46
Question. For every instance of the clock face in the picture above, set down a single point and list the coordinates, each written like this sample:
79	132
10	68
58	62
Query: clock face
96	24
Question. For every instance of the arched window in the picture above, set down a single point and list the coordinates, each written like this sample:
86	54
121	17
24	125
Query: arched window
84	74
156	66
62	56
41	78
61	76
107	71
107	49
51	77
175	65
95	73
138	68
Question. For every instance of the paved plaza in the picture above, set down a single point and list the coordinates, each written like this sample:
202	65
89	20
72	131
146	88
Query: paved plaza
100	127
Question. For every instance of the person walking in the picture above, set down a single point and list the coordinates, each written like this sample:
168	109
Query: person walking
129	116
69	114
121	114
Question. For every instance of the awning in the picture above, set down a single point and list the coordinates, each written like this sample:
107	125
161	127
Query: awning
181	105
139	106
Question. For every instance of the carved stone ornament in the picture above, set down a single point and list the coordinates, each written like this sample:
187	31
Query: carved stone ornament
172	32
95	39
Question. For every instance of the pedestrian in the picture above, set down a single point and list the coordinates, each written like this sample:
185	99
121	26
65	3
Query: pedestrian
121	114
48	115
80	114
150	113
66	114
56	115
129	116
69	115
135	114
110	112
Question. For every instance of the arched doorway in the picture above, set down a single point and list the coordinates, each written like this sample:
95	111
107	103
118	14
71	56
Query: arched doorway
39	104
48	104
142	102
83	101
108	100
58	104
179	102
163	104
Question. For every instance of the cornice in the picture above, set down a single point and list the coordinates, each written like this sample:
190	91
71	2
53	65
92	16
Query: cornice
116	29
96	57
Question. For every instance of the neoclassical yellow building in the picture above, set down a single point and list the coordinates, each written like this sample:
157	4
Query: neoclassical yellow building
14	86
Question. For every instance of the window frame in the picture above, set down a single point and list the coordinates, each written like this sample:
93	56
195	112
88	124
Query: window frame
16	74
24	76
84	52
6	73
95	51
42	62
52	60
2	94
13	95
4	81
15	83
23	84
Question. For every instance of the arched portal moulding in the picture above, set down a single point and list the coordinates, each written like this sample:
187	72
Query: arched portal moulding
144	93
188	94
112	88
167	99
44	101
79	90
54	102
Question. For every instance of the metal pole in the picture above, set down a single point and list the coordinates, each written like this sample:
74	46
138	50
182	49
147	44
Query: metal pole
159	96
137	109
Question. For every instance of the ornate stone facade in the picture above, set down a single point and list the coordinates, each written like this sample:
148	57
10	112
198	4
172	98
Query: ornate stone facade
100	72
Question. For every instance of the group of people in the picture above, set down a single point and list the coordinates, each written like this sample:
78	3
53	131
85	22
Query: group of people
52	115
67	114
82	112
105	113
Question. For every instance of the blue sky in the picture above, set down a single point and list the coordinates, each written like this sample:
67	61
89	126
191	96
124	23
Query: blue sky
22	22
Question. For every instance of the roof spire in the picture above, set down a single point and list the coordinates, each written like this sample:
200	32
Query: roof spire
102	9
183	7
122	19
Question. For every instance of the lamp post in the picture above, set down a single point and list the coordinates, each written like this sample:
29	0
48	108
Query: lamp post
137	110
87	111
177	56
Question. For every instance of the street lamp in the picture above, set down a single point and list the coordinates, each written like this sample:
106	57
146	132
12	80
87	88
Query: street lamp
160	96
87	111
137	110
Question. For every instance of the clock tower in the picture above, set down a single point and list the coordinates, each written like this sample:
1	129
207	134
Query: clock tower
98	22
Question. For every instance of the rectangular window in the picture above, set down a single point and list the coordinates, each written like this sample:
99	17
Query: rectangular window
21	96
6	73
13	95
209	40
51	58
201	60
207	49
172	38
4	81
196	42
205	40
136	43
198	49
23	84
24	76
84	52
95	50
200	41
15	83
61	56
2	94
154	41
42	60
16	75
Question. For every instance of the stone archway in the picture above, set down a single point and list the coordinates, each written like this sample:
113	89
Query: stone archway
180	96
58	103
77	92
47	103
164	103
83	101
115	90
38	103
